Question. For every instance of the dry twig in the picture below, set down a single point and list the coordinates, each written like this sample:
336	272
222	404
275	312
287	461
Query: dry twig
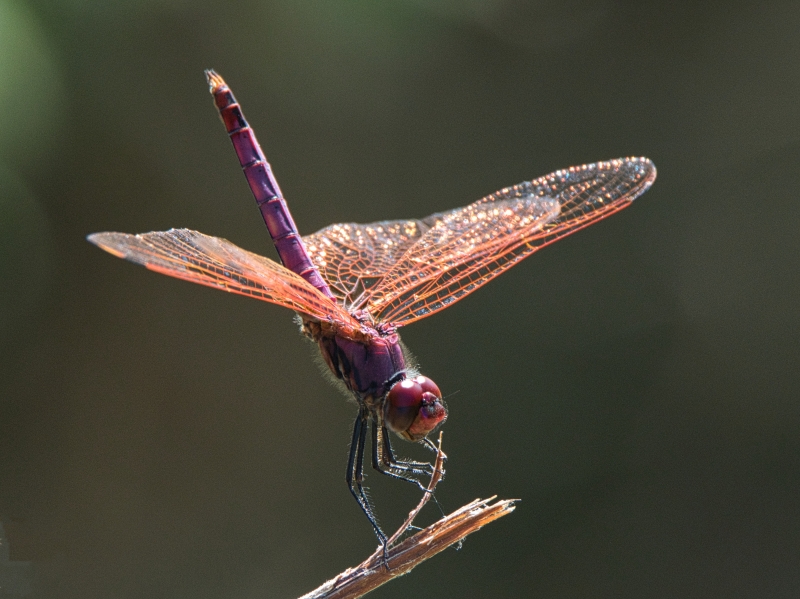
403	557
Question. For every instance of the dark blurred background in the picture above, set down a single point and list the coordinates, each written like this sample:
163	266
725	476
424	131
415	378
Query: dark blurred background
636	384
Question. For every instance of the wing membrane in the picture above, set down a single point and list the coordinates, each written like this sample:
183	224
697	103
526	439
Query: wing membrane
353	257
218	263
465	248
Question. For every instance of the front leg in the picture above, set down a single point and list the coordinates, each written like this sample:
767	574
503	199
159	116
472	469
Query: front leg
383	460
389	459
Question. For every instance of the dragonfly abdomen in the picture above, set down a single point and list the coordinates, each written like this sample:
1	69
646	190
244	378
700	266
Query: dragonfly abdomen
264	187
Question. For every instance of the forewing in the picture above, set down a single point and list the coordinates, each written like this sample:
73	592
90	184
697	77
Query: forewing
466	248
218	263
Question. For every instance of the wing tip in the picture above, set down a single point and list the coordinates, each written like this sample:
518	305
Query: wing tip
646	169
103	241
640	170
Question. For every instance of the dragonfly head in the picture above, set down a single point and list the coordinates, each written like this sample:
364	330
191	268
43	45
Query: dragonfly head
414	408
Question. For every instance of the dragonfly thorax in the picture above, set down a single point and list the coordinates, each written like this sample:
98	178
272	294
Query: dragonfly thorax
374	369
367	365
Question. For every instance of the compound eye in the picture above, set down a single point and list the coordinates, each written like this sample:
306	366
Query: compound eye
402	404
414	408
428	385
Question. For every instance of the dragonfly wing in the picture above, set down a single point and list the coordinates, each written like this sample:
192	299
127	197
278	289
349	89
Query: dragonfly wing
354	257
466	248
216	262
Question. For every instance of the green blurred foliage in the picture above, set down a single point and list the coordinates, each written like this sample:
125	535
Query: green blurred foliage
32	94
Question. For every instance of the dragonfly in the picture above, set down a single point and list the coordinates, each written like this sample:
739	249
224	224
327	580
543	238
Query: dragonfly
352	286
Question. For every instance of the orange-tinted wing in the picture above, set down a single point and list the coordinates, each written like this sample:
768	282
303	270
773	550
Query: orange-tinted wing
352	258
216	262
465	248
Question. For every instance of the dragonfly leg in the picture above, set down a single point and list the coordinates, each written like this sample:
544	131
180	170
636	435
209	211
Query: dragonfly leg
430	445
386	464
425	467
355	474
413	465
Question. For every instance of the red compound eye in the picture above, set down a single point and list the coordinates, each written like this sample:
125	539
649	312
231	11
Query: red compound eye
428	385
414	408
402	405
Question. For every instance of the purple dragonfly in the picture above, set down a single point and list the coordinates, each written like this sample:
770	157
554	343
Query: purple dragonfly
353	285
